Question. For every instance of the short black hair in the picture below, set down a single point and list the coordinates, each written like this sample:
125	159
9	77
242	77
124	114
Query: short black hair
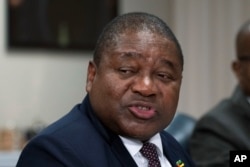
135	21
245	28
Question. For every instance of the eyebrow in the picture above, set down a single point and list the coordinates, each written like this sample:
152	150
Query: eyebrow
138	55
168	63
127	55
244	58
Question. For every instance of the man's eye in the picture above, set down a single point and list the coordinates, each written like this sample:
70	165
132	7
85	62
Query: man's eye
126	70
165	76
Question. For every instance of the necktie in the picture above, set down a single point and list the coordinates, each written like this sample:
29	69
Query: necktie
149	151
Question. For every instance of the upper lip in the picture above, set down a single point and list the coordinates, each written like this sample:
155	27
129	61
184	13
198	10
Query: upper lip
142	110
140	103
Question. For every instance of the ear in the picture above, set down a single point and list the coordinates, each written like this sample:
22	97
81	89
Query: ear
90	75
236	68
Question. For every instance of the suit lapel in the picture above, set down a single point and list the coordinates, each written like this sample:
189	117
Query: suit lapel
116	145
170	155
122	153
169	152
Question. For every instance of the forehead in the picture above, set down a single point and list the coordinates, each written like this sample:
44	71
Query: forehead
145	41
145	36
146	46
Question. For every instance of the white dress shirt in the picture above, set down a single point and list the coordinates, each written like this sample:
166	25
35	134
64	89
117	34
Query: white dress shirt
133	146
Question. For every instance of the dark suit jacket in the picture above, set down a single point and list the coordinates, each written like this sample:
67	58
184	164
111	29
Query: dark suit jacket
224	128
80	140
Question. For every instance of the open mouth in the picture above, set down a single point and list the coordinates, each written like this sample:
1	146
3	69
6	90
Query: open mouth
143	108
142	111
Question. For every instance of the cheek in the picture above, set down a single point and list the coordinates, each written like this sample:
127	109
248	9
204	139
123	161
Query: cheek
248	72
244	75
171	92
110	87
113	87
170	100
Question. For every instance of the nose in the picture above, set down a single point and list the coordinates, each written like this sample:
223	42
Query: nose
144	86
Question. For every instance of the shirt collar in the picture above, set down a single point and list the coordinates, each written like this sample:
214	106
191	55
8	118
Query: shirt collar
134	146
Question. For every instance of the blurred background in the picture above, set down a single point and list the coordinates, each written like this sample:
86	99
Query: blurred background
40	84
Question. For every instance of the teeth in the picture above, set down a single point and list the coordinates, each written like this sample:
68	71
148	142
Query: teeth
143	108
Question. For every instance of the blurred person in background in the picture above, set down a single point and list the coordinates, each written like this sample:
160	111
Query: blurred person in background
226	126
133	86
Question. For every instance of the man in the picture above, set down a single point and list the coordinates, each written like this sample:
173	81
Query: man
226	127
133	86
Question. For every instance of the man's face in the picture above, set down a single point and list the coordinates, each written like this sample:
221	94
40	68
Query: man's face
242	66
135	89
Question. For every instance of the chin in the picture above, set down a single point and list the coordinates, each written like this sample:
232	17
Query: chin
140	135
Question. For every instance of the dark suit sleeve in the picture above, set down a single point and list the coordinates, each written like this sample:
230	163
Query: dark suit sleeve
45	151
209	146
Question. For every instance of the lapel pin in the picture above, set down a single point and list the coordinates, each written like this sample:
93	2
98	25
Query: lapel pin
179	163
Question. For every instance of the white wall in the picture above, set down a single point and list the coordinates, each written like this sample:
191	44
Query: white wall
43	86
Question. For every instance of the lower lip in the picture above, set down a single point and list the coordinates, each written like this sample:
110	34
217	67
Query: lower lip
142	114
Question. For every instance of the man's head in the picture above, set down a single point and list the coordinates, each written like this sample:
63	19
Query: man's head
135	78
241	66
132	22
